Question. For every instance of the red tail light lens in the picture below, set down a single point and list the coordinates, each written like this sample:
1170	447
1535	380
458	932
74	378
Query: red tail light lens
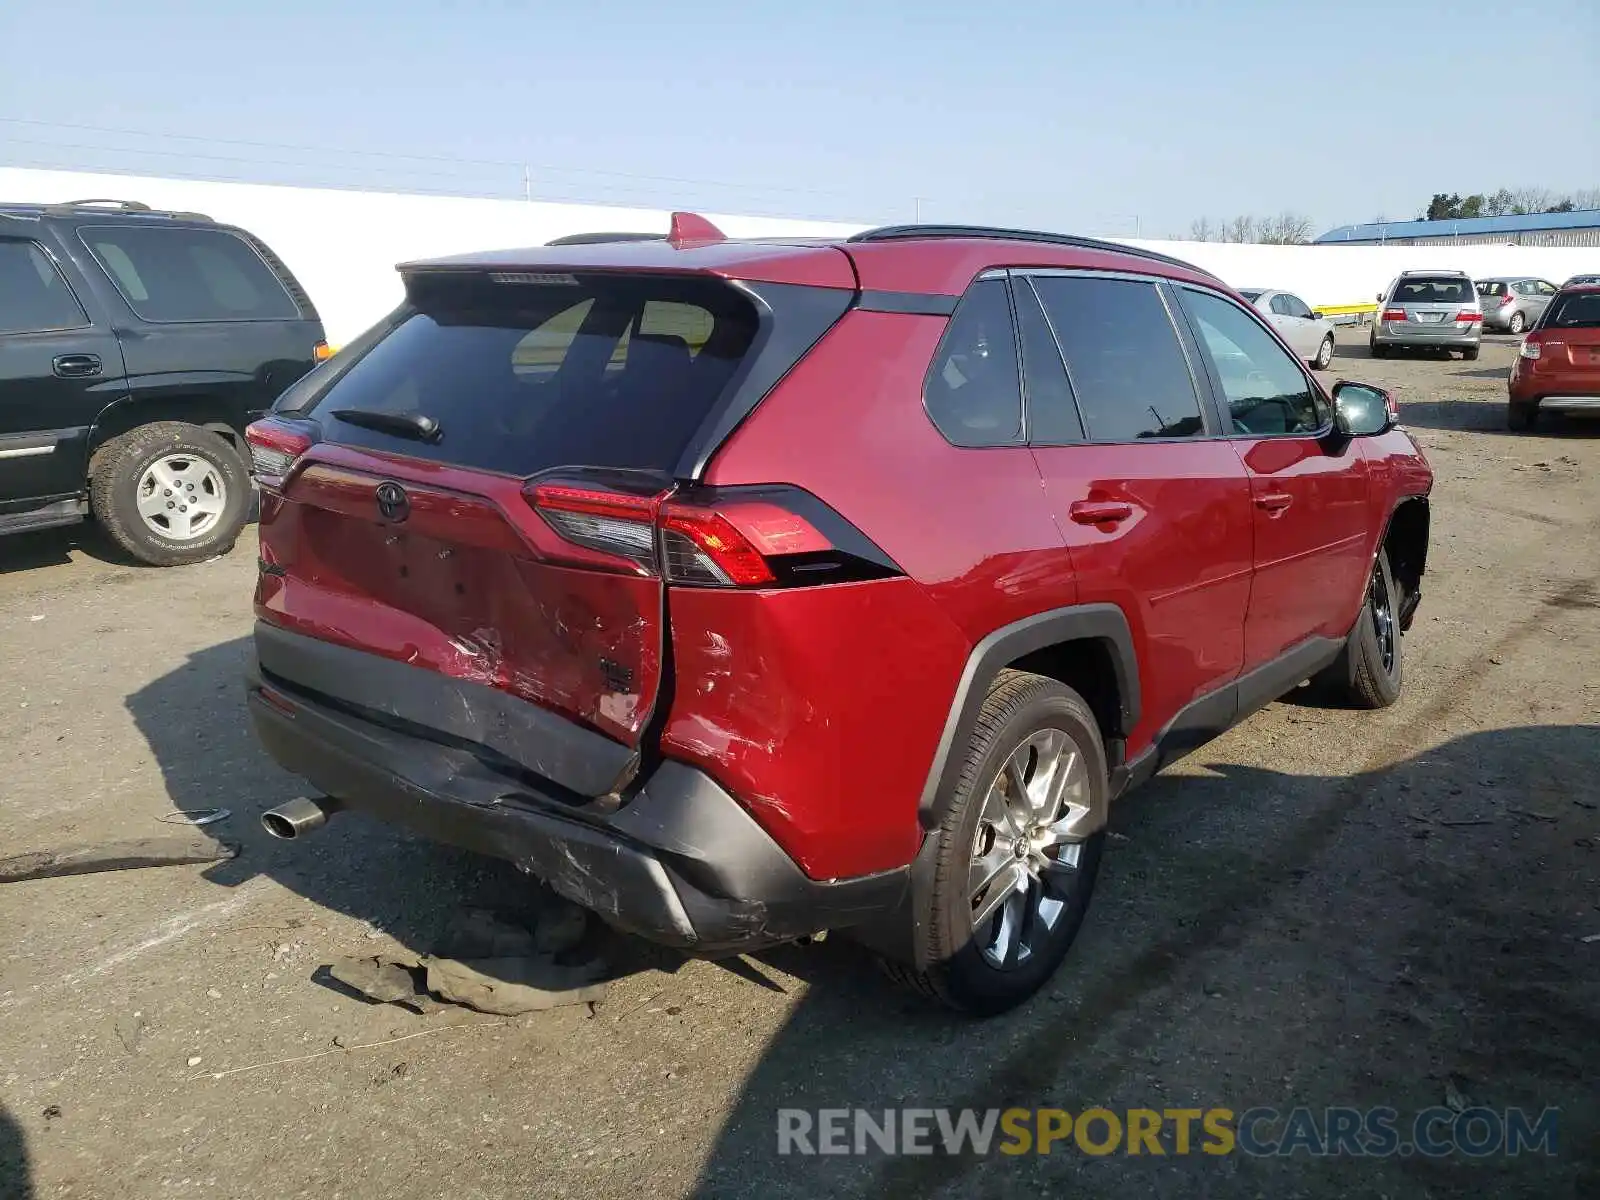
727	538
275	446
1508	298
1394	314
702	547
1469	316
1531	348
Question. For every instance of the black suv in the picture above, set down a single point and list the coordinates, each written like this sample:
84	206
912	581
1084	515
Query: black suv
135	346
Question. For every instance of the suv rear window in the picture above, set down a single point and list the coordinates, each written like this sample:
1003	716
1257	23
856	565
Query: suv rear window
602	371
185	274
1581	311
1444	289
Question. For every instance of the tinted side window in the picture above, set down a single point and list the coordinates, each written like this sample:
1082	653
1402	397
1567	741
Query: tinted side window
1543	288
33	295
1052	410
1281	306
1123	357
1297	307
189	274
973	393
1266	390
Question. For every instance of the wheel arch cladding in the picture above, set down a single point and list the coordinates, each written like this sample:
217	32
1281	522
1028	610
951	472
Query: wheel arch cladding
1087	647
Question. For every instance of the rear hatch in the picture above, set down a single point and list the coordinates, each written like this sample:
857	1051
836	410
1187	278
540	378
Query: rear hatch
477	490
1433	306
1570	332
1495	295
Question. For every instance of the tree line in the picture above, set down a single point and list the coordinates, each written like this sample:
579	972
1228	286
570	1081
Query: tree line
1507	202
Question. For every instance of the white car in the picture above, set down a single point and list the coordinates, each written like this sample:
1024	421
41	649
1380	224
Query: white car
1308	332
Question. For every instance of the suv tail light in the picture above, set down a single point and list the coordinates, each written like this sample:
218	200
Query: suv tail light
1469	315
744	537
275	446
1394	314
1531	347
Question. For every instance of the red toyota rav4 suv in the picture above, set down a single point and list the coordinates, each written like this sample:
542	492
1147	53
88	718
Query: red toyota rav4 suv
744	590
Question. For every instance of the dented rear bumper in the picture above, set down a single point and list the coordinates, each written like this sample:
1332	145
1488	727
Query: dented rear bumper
680	863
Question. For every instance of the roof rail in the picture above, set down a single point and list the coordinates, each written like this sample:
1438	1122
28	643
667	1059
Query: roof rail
896	233
67	208
595	239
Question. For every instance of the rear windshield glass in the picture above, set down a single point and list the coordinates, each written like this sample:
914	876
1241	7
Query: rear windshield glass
566	371
189	274
1421	290
1491	289
1576	312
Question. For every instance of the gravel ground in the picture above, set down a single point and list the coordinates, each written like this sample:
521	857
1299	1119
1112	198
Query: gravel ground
1321	908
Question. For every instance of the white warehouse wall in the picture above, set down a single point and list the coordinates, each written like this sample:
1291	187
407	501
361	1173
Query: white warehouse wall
343	245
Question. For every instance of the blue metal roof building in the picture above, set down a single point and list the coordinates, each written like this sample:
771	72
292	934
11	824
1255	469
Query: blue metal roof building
1581	228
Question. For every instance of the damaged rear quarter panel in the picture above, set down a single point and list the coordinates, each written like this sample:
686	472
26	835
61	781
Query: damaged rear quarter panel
820	708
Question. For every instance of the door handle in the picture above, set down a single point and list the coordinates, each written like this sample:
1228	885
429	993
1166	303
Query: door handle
1274	502
1099	512
74	366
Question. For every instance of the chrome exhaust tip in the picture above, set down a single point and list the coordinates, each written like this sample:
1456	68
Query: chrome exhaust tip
299	816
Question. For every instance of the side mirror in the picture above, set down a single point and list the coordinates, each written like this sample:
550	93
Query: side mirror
1316	314
1379	297
1361	410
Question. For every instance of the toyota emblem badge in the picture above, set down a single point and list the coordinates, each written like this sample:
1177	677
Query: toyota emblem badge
393	503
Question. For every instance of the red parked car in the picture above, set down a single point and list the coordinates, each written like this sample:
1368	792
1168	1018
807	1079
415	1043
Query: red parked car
744	590
1558	366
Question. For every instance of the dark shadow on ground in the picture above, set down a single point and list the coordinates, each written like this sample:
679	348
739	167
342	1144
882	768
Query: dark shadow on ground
53	547
1258	939
1489	416
16	1176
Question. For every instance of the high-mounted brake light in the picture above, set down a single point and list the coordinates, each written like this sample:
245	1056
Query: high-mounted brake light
725	538
275	446
1394	314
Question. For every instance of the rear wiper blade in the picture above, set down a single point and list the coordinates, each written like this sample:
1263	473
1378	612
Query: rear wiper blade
411	425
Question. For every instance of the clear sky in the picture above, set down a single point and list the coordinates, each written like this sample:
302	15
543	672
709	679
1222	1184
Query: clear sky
1101	117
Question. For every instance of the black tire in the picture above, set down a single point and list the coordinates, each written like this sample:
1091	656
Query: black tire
1019	706
118	469
1518	323
1470	354
1360	675
1324	358
1521	418
1379	351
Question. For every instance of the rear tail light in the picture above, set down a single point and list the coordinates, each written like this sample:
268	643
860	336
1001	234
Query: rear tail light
1394	314
275	446
1530	348
322	351
716	537
1469	315
1508	298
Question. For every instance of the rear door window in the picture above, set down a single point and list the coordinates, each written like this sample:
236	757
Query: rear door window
33	295
184	274
600	371
1124	360
973	393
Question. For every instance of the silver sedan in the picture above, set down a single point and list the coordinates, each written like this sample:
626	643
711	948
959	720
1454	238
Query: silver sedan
1308	332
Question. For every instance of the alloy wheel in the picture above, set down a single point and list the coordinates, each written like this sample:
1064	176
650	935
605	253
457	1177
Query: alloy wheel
181	497
1022	866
